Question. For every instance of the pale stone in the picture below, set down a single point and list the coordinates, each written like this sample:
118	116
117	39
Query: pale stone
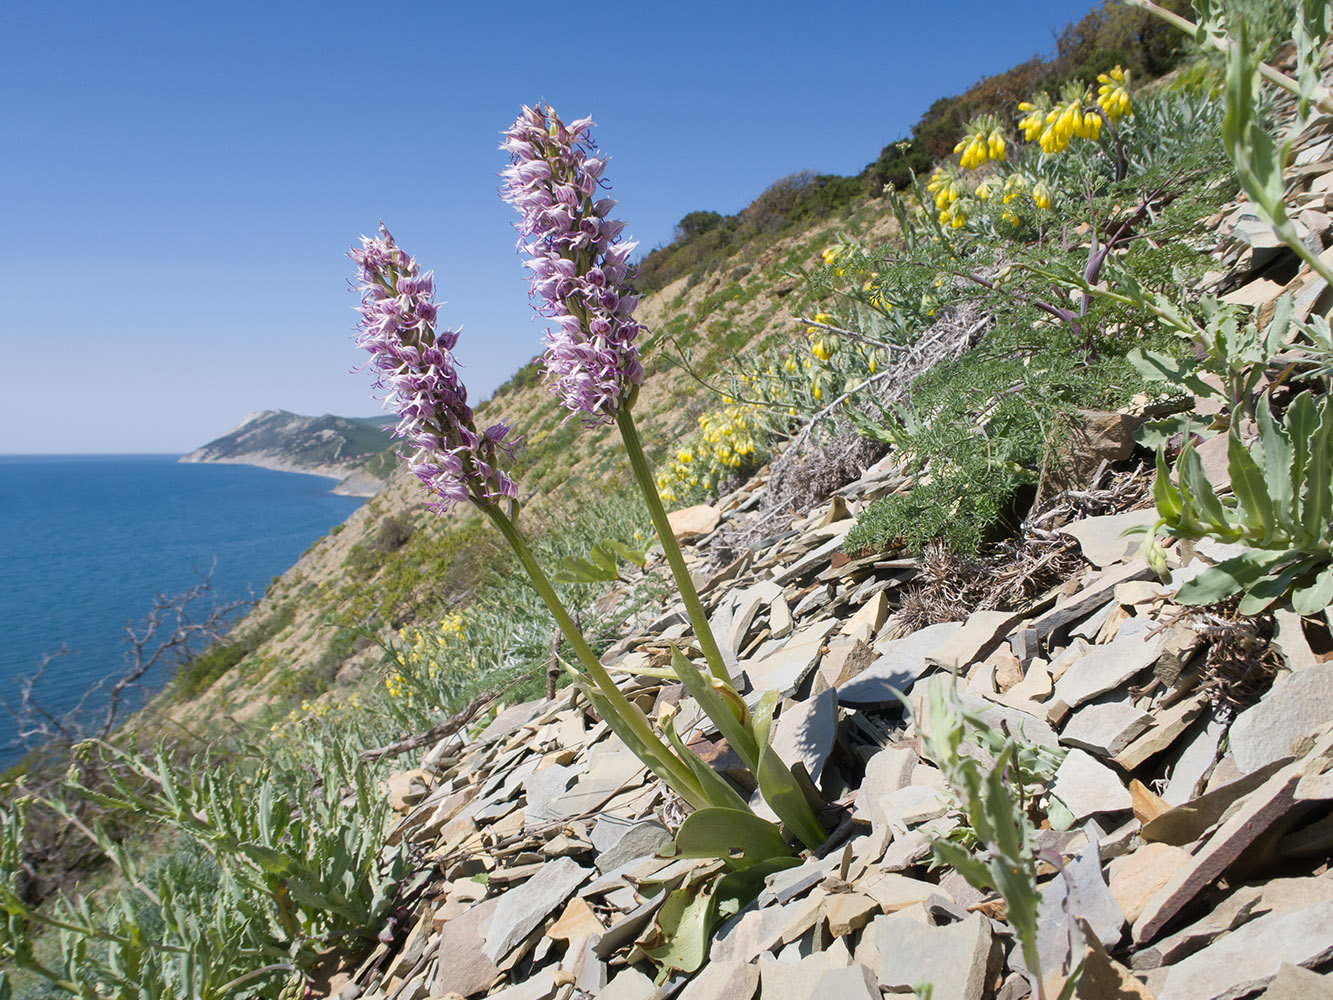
1296	706
1036	685
1166	728
723	980
630	984
893	891
406	788
780	980
1079	890
1295	983
887	771
524	907
900	663
981	630
844	660
872	613
463	965
538	987
1137	877
1102	539
913	805
748	935
1087	787
1195	761
805	732
855	982
1105	728
848	912
619	841
1104	668
1250	957
784	669
951	958
691	522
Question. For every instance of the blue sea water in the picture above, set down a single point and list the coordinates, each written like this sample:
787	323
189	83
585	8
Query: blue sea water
86	541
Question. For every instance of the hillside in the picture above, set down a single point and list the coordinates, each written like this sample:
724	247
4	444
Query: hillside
343	448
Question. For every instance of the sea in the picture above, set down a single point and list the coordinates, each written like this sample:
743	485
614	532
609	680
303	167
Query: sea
87	541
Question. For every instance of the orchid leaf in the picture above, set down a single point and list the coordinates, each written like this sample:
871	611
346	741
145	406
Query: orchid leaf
737	836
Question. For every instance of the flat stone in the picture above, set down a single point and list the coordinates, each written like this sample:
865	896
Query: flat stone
748	935
780	622
691	522
848	912
818	558
951	958
630	984
1103	978
1019	723
780	980
1183	824
511	719
1094	593
1251	956
1167	727
872	613
619	841
723	980
1105	668
913	805
745	605
845	659
1294	709
537	987
610	771
1105	727
1196	759
1080	890
463	965
855	982
1102	539
1139	876
805	732
1247	821
541	788
406	788
1087	787
1295	983
785	669
893	891
900	663
887	771
977	636
522	908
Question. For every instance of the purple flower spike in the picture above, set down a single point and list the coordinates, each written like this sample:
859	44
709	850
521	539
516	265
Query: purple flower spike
579	270
413	364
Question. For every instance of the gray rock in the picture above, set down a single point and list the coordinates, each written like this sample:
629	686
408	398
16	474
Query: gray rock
1095	592
748	935
1296	706
538	987
1087	787
1105	727
511	719
805	732
1295	983
1102	538
1021	724
952	959
1105	668
900	663
913	805
977	637
724	980
798	980
619	841
1250	957
816	559
1081	891
524	907
886	772
785	669
855	982
541	788
1195	761
630	984
463	966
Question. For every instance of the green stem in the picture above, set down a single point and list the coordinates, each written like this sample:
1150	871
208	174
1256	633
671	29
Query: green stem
1322	98
667	766
703	632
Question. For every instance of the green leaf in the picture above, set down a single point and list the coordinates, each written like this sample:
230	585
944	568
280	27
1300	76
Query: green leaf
603	559
1197	495
684	924
719	709
1317	596
575	569
1155	367
626	552
1277	461
1228	578
1247	481
1165	494
777	784
717	789
1317	502
739	837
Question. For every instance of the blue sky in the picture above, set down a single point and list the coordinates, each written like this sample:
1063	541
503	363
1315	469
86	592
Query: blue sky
181	180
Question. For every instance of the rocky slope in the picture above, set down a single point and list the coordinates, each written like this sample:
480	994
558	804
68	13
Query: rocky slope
337	447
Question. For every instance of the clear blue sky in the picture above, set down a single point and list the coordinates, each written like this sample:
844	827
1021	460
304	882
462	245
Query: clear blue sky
180	181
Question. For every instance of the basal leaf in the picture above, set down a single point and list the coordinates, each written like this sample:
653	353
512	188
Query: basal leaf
737	836
1316	596
1228	578
1255	506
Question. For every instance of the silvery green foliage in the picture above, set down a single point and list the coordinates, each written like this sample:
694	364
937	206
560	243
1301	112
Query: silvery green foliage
286	875
1280	511
995	802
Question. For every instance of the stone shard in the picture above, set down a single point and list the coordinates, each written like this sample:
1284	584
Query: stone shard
464	967
524	907
977	636
1093	595
1138	877
1293	982
900	663
1087	787
1082	891
805	732
1105	668
619	841
1295	708
723	980
1252	955
951	958
855	982
1105	727
1249	819
1102	538
691	522
785	669
748	935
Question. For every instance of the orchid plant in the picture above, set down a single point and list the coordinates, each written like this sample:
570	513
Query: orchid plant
579	282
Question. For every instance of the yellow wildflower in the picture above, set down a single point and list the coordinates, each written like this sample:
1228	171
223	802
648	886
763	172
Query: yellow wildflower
1113	94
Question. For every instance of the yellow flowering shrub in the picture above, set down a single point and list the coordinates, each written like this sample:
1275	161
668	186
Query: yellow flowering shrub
430	659
728	441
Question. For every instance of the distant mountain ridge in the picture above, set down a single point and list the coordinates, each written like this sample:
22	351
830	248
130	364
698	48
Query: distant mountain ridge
342	448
